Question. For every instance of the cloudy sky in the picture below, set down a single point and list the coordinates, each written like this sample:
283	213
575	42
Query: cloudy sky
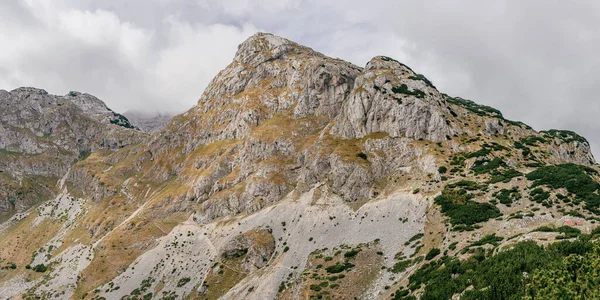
537	61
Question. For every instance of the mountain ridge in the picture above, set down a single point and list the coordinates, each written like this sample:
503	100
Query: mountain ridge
292	160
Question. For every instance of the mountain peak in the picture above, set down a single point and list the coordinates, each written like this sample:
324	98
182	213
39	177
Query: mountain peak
384	62
29	90
262	47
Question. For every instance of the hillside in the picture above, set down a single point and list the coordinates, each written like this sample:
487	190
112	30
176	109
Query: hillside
42	135
297	175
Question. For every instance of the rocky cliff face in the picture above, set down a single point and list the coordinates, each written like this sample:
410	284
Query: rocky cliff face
42	135
293	169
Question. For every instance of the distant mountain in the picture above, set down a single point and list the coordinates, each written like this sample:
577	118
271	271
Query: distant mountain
42	135
296	176
149	122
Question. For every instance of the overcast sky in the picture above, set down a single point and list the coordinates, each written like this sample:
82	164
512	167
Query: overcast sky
536	61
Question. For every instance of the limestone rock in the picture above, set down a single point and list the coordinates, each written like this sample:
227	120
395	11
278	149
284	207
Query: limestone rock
255	247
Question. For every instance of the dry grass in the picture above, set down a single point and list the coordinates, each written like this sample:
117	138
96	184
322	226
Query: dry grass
222	279
121	247
354	282
19	243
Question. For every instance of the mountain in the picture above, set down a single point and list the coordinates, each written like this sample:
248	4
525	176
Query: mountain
42	136
298	175
148	122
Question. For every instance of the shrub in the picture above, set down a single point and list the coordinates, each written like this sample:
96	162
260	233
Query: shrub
183	281
458	206
41	268
422	78
466	185
493	277
491	239
442	170
352	253
453	246
403	89
532	140
479	153
565	135
507	197
362	155
415	237
505	176
338	268
432	254
481	110
401	266
573	178
539	195
486	166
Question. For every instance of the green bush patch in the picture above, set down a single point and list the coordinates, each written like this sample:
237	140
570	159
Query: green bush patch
403	89
458	206
574	178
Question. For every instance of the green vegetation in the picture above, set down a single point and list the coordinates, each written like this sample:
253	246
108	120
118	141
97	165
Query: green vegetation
532	140
466	185
479	153
481	110
183	281
83	155
540	196
41	268
415	237
422	78
458	206
524	149
121	120
442	170
401	266
432	253
574	178
403	89
577	275
386	58
567	232
352	253
362	155
490	239
565	135
11	266
506	176
338	268
507	197
487	166
496	277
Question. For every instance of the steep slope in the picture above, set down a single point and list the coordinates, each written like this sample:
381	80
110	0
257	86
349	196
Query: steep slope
42	135
296	176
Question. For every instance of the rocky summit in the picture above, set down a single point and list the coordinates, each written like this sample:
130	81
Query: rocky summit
296	176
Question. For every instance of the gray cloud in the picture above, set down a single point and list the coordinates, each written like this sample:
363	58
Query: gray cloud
534	60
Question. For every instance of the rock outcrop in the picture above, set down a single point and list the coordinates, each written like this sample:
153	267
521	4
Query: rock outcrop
43	135
389	97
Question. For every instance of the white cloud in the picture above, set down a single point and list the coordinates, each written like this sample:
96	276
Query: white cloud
127	66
